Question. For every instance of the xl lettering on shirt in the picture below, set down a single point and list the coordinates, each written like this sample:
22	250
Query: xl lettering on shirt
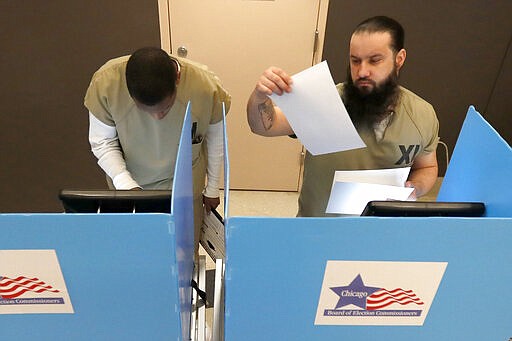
408	153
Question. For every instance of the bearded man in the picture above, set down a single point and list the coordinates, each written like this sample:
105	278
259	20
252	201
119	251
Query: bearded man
399	128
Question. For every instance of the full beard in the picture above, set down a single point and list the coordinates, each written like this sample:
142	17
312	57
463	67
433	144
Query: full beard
366	108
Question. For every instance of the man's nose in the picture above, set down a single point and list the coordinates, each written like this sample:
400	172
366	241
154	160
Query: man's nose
364	70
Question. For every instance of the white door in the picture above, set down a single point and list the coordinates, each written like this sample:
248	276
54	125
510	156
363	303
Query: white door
238	40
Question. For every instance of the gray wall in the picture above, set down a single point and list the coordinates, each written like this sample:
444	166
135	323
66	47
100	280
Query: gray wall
49	52
458	53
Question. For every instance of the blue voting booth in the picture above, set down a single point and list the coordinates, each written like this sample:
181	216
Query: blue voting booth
356	278
128	275
371	278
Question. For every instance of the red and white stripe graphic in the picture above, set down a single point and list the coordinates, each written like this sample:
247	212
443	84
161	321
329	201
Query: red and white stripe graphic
384	298
15	287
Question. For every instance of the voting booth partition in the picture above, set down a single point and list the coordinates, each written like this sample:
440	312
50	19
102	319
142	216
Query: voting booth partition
127	276
101	276
382	278
480	168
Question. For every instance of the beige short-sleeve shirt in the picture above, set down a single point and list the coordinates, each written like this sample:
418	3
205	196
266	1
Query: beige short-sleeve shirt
150	146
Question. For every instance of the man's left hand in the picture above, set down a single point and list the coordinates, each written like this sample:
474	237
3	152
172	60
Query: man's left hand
412	196
210	203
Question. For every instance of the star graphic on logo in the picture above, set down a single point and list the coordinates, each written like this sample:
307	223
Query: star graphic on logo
355	293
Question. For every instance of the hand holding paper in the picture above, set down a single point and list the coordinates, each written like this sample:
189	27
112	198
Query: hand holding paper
316	113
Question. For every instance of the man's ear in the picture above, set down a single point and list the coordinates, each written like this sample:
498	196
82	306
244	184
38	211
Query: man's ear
400	58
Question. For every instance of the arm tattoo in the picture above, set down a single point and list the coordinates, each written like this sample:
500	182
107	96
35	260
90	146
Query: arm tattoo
267	113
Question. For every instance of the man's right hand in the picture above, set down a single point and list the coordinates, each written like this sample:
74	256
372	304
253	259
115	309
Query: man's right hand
273	80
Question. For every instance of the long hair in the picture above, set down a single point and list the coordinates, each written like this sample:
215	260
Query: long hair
384	24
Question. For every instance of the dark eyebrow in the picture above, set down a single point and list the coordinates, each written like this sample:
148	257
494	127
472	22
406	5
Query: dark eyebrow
377	55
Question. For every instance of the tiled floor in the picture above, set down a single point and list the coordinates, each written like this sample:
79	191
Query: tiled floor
263	203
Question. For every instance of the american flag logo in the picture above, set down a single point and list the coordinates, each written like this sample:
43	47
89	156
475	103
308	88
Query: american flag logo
382	298
14	287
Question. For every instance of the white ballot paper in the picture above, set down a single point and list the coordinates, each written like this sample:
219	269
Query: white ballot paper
316	113
389	176
351	190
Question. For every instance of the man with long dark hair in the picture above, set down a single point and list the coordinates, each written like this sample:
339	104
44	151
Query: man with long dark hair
398	127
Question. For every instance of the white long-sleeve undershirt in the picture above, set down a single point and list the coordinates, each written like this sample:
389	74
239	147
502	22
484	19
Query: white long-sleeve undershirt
105	146
215	145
